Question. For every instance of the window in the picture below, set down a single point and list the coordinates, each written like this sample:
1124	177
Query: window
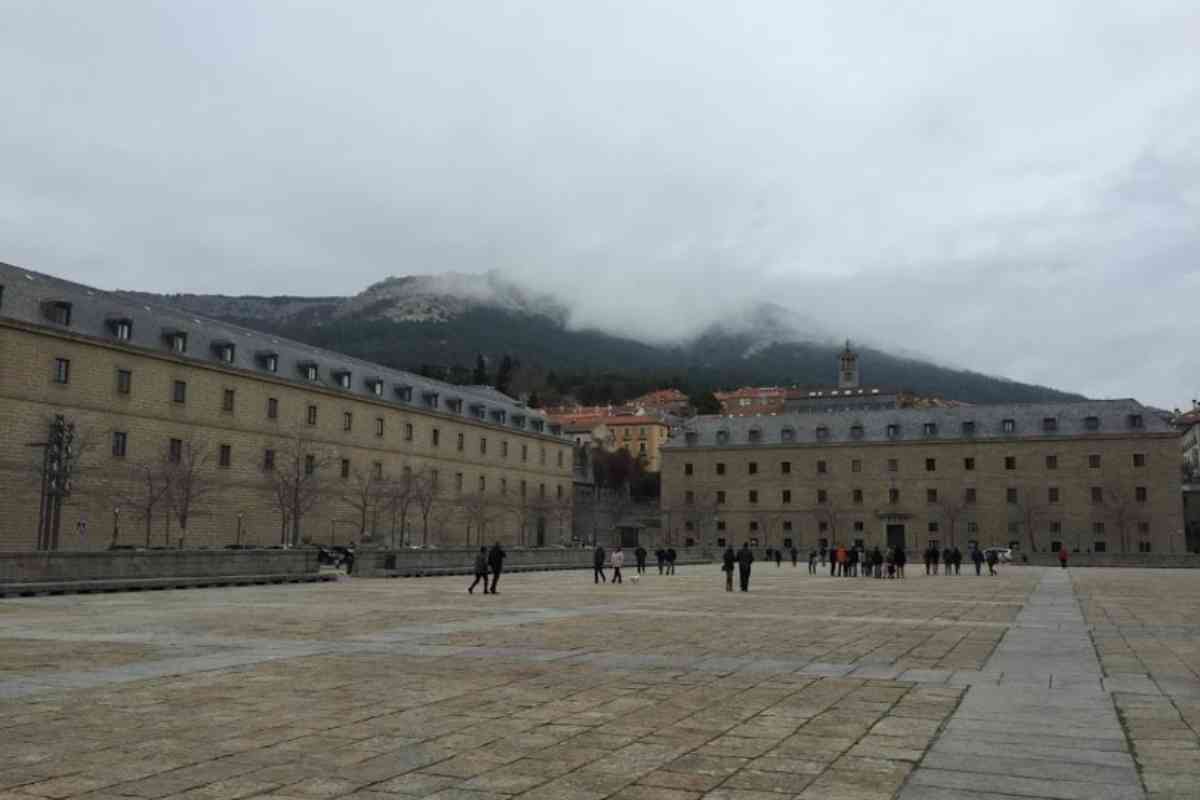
524	452
931	465
1143	547
1091	423
376	387
124	381
408	432
691	437
1139	494
271	362
689	498
787	435
558	491
856	431
1051	462
969	464
227	400
461	442
377	469
175	450
822	526
542	455
722	437
786	496
1134	421
893	431
720	498
753	525
787	526
1094	461
1010	495
1052	494
857	497
310	371
688	469
720	468
560	458
119	441
1009	426
224	455
345	468
268	460
179	392
379	426
343	379
785	467
972	527
822	467
858	526
1098	528
62	370
1097	494
225	352
435	437
893	496
755	435
1049	425
931	496
856	465
1010	462
347	420
177	341
893	465
272	408
1055	527
930	429
123	329
1139	459
968	429
541	490
822	432
310	464
312	415
752	468
753	496
1144	528
523	488
971	495
933	527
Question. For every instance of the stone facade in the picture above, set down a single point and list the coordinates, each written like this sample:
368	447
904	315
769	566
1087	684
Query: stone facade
1034	476
516	481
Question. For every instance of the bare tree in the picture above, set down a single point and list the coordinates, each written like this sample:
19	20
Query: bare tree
427	496
479	510
188	482
400	497
523	511
295	479
768	521
1121	509
829	515
1029	510
952	507
365	494
144	488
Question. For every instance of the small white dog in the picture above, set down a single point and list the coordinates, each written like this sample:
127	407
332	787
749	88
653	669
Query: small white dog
634	577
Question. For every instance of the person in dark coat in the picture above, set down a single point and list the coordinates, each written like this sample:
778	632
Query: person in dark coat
661	555
745	559
812	561
934	557
947	559
778	557
481	564
640	556
671	560
1063	555
598	566
957	556
977	557
928	556
852	562
496	558
877	561
795	555
728	561
901	560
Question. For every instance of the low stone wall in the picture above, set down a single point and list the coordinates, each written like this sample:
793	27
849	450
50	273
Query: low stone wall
40	572
1145	560
461	561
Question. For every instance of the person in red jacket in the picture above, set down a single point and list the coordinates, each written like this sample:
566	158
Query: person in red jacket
1063	555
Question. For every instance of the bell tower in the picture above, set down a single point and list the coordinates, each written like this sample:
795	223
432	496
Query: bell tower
848	368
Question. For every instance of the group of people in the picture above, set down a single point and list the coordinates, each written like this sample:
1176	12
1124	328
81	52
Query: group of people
616	560
488	561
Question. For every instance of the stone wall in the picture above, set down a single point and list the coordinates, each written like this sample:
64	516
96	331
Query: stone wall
63	567
460	561
1151	560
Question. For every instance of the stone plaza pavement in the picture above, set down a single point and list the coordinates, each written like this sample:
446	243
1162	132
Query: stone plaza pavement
1036	683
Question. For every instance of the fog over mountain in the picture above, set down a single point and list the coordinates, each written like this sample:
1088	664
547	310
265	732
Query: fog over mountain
1014	187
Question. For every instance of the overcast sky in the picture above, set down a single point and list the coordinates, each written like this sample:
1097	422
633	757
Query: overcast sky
1013	187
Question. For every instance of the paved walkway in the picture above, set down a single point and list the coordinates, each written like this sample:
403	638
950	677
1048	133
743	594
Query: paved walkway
1038	683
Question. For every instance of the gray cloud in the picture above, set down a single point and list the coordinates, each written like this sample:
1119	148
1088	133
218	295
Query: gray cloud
1015	188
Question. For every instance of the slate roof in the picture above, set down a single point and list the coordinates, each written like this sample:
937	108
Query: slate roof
26	296
872	425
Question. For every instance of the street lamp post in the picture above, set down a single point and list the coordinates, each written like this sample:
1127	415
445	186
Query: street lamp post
239	529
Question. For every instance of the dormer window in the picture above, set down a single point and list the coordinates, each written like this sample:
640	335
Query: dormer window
1091	423
478	410
822	433
269	360
176	340
375	386
556	430
121	327
1009	426
225	351
404	393
518	420
342	377
691	438
431	399
755	435
893	431
57	311
787	435
856	431
930	428
1134	420
1049	424
722	437
968	428
538	425
310	370
499	415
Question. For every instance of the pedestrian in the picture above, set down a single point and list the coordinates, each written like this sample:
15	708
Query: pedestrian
661	555
852	562
598	558
928	561
727	567
891	562
618	561
812	561
977	557
877	561
957	555
947	559
671	556
1063	555
823	552
496	558
833	562
481	566
640	555
843	559
901	560
991	562
778	557
795	555
745	559
934	556
349	560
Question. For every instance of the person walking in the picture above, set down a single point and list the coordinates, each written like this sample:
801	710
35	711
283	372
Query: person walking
661	555
778	557
1063	555
852	561
745	559
833	562
812	561
957	556
877	561
728	561
598	558
934	555
992	558
618	561
843	558
823	553
977	557
795	555
671	556
901	560
947	559
496	558
481	566
640	555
